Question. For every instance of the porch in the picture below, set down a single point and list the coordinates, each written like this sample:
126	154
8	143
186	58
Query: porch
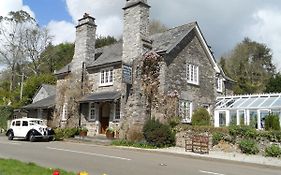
101	110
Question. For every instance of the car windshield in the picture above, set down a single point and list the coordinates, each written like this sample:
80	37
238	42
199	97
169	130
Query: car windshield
38	122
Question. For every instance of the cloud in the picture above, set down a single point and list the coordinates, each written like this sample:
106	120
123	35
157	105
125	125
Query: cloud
13	5
108	14
61	31
266	28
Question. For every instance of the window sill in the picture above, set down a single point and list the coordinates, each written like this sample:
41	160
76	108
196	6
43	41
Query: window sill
105	85
192	83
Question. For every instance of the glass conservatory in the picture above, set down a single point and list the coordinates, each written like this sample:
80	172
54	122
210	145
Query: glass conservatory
246	109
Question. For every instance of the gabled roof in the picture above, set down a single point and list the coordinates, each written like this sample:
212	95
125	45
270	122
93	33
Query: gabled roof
168	39
45	103
108	55
162	42
50	89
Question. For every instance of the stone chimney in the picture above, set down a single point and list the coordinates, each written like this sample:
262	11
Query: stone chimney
135	32
84	42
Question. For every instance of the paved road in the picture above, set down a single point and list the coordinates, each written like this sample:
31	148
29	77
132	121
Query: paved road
113	161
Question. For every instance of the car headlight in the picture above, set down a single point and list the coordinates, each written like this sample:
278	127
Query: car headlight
40	129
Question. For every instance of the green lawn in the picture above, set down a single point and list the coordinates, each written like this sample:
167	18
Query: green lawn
14	167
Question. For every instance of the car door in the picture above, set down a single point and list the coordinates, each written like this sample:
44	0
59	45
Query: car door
24	128
16	128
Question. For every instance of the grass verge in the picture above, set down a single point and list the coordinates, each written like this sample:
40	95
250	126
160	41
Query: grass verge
14	167
132	144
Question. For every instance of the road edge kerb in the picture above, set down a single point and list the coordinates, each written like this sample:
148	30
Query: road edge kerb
199	156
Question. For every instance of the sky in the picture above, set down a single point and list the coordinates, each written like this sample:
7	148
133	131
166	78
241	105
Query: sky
224	23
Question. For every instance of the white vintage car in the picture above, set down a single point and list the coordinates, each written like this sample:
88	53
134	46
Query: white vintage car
29	129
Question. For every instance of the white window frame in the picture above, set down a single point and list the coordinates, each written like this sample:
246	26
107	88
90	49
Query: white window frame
219	83
94	109
185	110
64	112
115	111
192	74
107	76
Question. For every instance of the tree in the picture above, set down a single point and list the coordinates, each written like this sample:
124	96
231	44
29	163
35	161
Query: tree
156	27
22	41
250	65
273	84
104	41
11	40
55	57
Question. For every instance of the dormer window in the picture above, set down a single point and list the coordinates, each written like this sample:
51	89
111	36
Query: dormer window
106	77
192	74
219	84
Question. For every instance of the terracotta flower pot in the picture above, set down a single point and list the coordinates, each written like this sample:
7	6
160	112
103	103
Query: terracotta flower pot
109	135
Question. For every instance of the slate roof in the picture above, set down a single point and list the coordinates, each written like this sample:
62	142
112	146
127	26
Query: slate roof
101	96
164	41
45	103
167	40
109	54
51	89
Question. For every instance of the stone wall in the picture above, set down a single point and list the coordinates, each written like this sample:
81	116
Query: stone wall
94	80
175	77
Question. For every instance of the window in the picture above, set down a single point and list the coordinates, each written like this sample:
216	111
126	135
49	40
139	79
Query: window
192	74
117	111
106	77
17	123
219	84
24	123
185	111
92	115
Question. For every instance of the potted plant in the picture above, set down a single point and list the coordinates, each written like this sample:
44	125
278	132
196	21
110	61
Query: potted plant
109	132
83	132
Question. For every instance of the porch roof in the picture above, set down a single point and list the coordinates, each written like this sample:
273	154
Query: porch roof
45	103
101	96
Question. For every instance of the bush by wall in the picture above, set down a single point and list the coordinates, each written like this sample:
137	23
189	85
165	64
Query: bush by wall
217	137
243	132
248	146
272	122
63	133
6	114
158	134
201	117
273	151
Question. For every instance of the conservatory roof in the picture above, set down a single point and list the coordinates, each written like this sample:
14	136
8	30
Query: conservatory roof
258	101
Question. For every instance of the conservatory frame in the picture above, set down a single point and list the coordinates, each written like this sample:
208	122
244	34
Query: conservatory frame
249	109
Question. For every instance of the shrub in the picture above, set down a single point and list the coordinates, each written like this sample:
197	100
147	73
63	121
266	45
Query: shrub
248	146
158	134
217	137
140	144
6	113
174	121
273	151
243	131
272	122
201	117
63	133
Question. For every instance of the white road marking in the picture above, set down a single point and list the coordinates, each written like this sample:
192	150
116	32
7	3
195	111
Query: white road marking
88	153
209	172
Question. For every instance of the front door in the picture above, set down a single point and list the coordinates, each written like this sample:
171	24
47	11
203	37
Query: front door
104	117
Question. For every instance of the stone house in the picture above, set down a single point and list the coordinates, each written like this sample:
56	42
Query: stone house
106	87
43	103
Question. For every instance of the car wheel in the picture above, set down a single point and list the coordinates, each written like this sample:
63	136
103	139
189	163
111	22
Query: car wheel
10	136
31	137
